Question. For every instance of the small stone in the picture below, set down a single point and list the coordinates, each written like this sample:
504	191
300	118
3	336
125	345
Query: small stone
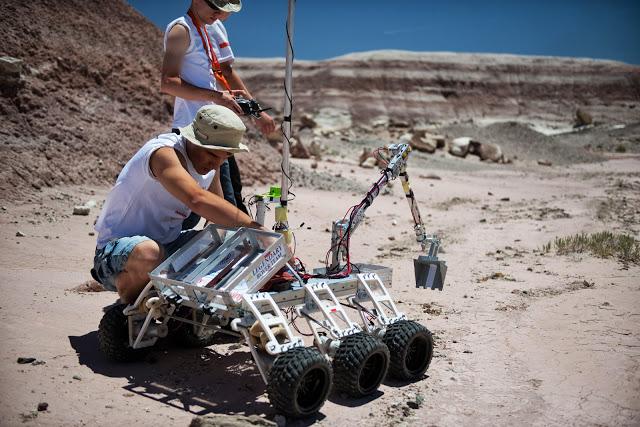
4	208
504	199
490	193
20	234
394	222
483	220
81	210
42	406
544	163
391	238
77	377
38	362
25	360
413	405
91	233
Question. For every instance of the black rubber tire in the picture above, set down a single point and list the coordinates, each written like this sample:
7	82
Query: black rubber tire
360	365
113	337
411	348
299	382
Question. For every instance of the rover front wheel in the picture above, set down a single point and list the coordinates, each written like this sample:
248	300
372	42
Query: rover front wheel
299	382
411	348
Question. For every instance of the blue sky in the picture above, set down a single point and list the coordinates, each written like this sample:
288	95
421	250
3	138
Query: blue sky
325	29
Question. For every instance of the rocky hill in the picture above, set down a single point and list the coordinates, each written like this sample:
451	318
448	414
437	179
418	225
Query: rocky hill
80	93
371	87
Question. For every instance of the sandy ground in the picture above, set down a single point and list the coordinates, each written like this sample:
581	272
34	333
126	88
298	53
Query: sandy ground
565	352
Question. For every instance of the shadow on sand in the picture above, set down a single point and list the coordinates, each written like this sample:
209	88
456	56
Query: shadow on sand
200	381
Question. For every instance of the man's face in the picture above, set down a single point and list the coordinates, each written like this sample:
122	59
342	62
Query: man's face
204	161
208	13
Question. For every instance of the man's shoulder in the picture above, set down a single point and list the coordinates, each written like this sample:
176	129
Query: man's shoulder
181	20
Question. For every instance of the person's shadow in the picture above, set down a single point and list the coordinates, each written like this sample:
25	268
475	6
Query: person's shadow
200	381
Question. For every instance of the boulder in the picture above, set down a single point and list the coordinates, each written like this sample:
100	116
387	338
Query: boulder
315	149
583	118
366	153
426	142
489	151
306	121
298	150
460	146
10	75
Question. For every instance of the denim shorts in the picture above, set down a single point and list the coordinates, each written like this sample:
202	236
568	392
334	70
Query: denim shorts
110	260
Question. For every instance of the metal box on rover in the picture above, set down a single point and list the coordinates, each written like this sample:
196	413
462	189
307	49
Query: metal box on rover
219	265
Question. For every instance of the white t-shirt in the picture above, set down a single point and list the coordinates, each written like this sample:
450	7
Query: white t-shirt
138	205
196	67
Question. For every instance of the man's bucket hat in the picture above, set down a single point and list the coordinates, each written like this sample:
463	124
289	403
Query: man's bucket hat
216	128
227	5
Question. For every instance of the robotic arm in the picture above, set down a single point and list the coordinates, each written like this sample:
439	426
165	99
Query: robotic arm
342	229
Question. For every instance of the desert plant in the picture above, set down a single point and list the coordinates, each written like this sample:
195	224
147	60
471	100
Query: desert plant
602	245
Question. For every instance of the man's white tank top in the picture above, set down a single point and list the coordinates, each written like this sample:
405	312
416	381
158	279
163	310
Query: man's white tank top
138	205
196	67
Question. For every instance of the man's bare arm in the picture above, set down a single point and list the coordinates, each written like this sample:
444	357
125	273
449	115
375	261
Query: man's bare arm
166	167
265	123
172	84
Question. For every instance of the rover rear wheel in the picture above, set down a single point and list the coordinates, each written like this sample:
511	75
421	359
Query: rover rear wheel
113	336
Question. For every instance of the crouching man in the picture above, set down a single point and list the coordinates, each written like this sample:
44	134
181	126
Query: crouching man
168	178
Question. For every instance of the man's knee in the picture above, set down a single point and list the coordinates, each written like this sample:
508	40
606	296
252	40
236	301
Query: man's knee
144	257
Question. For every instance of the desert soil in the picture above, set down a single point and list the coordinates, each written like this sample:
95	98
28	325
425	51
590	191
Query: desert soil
522	338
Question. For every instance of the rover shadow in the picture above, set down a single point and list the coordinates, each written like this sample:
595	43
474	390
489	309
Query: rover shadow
395	383
352	402
199	381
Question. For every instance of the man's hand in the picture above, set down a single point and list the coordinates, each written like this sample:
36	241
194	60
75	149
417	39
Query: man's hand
227	99
265	124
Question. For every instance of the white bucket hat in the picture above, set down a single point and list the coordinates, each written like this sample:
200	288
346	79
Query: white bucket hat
216	128
227	5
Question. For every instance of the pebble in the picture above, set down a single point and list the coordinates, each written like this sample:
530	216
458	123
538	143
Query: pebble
504	199
77	377
42	406
81	210
4	208
25	360
394	222
392	238
91	233
20	234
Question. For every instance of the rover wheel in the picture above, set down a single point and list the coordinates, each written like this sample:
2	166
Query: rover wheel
411	348
299	382
360	364
113	336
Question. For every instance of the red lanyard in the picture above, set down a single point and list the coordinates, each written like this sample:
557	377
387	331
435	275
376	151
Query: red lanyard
213	60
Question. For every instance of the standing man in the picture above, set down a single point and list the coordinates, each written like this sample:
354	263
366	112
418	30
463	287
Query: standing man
197	69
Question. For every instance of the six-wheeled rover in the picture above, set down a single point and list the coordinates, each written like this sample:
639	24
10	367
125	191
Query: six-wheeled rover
243	282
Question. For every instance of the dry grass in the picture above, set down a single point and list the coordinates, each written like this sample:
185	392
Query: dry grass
602	245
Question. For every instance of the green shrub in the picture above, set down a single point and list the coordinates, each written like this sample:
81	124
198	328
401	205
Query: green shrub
602	245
